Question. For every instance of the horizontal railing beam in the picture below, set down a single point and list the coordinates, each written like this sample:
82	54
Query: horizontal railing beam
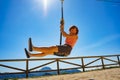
16	60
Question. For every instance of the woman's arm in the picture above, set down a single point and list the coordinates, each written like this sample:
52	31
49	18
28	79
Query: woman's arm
62	31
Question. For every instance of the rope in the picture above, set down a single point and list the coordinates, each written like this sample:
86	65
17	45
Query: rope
61	19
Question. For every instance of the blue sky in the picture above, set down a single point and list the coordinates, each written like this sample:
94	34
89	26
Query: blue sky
98	22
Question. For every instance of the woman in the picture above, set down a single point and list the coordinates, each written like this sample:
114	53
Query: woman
61	50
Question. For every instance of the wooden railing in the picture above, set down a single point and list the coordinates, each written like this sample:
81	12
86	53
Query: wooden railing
85	63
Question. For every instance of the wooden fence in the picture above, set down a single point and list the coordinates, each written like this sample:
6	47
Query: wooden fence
114	60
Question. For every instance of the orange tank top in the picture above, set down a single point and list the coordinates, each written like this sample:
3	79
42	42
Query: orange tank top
71	41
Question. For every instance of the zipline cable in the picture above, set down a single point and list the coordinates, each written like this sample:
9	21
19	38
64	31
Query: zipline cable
62	18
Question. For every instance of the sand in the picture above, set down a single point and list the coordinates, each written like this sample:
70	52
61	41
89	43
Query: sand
107	74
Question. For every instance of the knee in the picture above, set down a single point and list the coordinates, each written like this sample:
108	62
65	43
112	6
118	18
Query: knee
53	48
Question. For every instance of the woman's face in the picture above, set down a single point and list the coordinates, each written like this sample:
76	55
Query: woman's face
73	31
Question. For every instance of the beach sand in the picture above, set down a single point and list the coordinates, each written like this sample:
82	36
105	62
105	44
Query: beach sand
107	74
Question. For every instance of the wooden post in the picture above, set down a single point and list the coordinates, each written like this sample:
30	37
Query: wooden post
27	65
118	60
103	65
83	66
58	69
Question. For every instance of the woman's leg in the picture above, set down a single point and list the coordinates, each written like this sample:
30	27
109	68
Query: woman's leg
38	54
48	50
29	54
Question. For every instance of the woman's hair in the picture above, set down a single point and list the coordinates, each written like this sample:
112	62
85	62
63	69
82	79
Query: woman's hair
72	27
